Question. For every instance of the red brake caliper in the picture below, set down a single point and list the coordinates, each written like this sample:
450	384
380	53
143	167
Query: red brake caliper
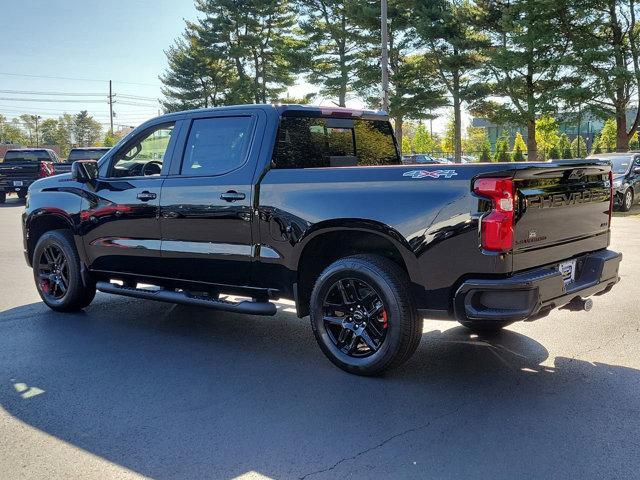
44	284
385	320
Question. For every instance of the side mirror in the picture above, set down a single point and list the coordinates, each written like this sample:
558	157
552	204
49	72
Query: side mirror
84	171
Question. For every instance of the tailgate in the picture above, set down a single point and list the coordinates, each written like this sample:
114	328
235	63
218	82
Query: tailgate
15	171
563	210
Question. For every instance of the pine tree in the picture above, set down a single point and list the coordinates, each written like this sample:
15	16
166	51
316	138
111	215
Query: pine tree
605	47
197	76
414	90
564	147
502	148
256	37
519	147
445	28
525	61
485	152
333	45
423	142
579	147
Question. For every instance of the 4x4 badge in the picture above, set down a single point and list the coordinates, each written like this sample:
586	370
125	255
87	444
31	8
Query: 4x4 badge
430	173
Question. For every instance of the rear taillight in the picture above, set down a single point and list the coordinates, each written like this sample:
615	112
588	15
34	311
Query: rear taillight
611	196
46	169
496	229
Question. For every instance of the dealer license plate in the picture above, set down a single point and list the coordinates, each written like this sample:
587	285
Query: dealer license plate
18	183
568	271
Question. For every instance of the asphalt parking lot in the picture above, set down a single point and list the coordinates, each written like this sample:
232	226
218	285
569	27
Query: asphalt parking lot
133	389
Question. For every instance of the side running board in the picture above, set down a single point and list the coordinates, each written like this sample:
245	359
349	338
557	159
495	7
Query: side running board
184	298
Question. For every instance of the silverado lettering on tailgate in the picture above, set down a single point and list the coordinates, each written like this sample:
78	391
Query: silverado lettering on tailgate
557	200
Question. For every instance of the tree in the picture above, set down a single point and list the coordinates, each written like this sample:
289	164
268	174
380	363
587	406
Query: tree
447	143
11	132
446	30
519	147
595	146
48	131
502	148
414	91
86	130
110	140
547	135
474	140
579	147
634	144
554	153
256	37
564	147
423	142
485	151
525	61
608	137
333	45
604	38
197	76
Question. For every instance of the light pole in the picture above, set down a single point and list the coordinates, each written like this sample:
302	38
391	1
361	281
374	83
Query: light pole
36	118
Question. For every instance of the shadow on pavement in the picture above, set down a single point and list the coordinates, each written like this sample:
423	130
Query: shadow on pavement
178	392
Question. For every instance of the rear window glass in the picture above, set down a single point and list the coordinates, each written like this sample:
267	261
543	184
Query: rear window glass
26	156
216	145
86	154
308	142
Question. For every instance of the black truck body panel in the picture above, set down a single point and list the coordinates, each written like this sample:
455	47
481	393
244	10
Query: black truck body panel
262	243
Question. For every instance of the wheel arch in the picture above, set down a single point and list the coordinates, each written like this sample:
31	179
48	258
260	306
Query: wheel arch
41	222
331	241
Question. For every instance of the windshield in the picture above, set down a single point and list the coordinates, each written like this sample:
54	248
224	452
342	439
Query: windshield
26	156
96	154
619	165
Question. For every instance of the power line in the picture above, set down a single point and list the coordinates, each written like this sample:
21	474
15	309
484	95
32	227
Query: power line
77	79
66	94
48	100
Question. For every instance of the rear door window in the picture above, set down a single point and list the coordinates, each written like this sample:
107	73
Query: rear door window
217	145
315	142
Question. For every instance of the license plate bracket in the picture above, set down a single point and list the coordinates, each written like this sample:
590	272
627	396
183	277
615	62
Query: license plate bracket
568	271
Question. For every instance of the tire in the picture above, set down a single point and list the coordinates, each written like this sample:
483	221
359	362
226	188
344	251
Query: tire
3	197
379	301
627	200
61	288
22	195
485	326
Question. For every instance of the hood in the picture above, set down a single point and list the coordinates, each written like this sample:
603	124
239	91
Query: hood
52	181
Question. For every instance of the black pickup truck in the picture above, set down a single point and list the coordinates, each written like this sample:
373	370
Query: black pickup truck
21	167
311	204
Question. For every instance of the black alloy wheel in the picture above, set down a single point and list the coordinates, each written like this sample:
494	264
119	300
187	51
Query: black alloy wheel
57	271
53	273
363	314
355	317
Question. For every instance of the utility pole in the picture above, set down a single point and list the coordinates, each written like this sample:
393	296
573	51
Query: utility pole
384	61
36	118
110	107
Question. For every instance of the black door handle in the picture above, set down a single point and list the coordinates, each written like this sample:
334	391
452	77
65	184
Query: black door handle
232	196
146	196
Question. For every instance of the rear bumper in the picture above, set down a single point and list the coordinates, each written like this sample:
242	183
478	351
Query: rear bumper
9	187
534	293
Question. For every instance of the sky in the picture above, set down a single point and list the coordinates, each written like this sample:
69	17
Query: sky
86	43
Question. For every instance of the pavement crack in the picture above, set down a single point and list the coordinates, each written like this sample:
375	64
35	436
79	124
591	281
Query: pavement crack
383	442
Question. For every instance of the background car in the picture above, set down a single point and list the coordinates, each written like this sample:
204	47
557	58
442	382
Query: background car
626	177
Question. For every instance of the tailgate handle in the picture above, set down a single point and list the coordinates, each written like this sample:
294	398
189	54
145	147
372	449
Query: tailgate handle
146	196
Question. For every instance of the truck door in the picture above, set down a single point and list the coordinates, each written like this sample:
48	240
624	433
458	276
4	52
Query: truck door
206	203
120	213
